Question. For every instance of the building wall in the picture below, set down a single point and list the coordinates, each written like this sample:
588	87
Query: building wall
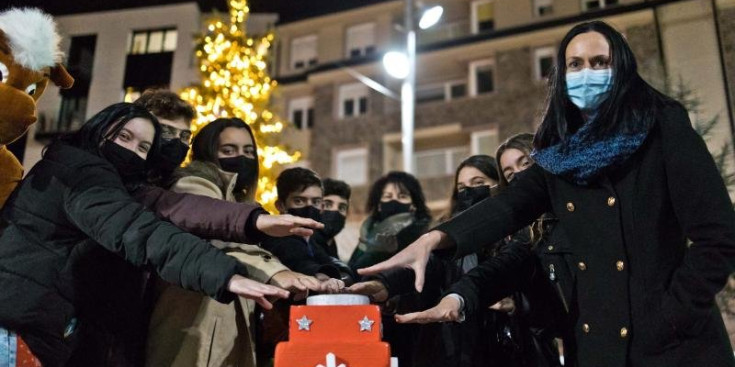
114	30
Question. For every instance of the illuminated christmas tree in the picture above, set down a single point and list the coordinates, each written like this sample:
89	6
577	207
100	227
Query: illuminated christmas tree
235	83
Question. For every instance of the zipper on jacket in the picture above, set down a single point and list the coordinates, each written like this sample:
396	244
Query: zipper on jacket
552	277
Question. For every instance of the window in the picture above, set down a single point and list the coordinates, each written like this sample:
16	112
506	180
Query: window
438	162
543	7
351	166
360	40
301	112
353	100
441	91
597	4
544	60
484	142
303	52
482	78
72	113
483	16
153	41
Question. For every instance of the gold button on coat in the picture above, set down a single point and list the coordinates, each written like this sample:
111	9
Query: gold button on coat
582	266
586	328
620	265
611	201
570	206
550	248
624	333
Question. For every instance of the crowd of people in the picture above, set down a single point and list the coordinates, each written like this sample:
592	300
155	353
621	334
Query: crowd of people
600	240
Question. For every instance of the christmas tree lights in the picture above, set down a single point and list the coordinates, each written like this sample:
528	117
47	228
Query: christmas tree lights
235	83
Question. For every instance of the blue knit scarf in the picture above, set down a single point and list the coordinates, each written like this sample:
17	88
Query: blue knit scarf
583	159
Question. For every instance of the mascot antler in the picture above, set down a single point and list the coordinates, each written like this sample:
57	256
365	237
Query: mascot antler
29	58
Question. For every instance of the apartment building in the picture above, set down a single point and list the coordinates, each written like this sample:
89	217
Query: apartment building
116	54
481	77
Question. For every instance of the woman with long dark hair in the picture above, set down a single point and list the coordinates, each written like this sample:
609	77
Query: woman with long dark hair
71	203
630	181
190	330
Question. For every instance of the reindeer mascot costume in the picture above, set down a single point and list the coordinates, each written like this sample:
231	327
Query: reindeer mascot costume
29	58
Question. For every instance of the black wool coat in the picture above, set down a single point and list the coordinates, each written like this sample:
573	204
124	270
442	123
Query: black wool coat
638	294
69	204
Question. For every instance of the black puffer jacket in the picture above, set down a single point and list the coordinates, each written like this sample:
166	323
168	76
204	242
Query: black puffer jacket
69	200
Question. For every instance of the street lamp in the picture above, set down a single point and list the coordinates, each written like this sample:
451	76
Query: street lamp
403	66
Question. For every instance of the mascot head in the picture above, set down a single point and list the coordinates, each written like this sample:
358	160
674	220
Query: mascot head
29	58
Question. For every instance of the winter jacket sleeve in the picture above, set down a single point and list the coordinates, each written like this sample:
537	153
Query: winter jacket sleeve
490	220
101	208
203	216
702	206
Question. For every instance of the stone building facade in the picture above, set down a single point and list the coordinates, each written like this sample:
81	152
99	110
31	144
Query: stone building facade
471	122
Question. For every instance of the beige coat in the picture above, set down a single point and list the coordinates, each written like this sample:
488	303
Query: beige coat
188	329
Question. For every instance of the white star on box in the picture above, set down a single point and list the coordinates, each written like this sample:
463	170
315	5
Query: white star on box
304	323
366	324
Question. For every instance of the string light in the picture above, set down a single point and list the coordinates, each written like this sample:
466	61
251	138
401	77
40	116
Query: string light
235	82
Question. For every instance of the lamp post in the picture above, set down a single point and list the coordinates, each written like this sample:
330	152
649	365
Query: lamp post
408	95
402	65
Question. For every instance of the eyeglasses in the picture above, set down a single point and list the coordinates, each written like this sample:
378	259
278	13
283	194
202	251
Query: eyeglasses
170	133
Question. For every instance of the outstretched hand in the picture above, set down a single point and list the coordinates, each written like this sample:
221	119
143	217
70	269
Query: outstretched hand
299	284
447	310
374	289
286	225
256	291
415	256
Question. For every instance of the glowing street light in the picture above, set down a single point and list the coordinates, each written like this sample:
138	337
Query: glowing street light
431	16
396	64
403	66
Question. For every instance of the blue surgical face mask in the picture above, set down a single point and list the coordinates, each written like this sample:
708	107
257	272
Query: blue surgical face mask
587	88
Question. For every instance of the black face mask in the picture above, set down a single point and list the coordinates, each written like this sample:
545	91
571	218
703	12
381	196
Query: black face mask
471	196
130	166
246	169
334	222
390	208
173	153
306	212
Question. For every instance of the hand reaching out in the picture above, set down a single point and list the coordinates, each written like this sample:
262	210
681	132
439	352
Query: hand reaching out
256	291
372	288
286	225
299	284
415	256
446	310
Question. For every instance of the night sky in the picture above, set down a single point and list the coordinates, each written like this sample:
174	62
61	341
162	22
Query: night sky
288	10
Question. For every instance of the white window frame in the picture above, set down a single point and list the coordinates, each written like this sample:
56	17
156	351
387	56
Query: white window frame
538	4
475	140
472	83
340	154
603	4
538	54
473	16
354	39
448	88
303	104
303	42
353	91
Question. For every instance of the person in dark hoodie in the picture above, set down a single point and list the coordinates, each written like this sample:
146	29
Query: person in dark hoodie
75	201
